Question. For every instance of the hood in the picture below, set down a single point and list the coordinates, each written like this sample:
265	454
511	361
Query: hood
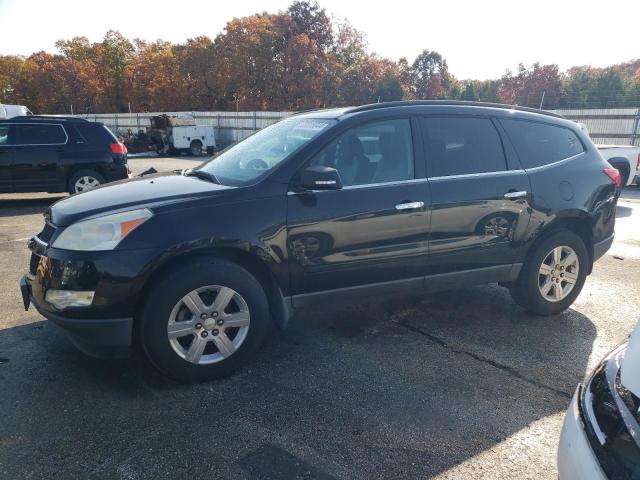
630	367
140	192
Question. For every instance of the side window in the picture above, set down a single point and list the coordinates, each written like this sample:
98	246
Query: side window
95	133
4	134
39	134
461	146
540	144
376	152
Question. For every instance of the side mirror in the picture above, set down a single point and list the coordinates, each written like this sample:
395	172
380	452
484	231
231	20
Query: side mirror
320	178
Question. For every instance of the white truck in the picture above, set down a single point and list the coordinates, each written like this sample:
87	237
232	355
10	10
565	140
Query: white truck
194	139
179	134
625	158
10	111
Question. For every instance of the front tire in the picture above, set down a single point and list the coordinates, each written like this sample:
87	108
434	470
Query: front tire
204	320
553	274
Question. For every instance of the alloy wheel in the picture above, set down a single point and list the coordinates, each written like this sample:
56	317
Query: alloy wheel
558	273
208	324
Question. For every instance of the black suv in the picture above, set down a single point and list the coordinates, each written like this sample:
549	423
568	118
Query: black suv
382	199
58	154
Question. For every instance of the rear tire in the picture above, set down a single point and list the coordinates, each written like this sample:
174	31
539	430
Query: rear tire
195	149
542	287
226	348
624	177
84	180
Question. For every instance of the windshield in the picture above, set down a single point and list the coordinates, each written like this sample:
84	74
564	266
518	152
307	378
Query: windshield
246	161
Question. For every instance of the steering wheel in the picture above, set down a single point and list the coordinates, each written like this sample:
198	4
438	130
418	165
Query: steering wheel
257	164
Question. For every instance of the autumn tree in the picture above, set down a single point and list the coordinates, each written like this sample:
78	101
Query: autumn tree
430	78
198	66
295	59
10	72
469	93
529	85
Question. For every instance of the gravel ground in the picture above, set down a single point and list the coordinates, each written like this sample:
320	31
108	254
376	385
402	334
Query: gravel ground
454	385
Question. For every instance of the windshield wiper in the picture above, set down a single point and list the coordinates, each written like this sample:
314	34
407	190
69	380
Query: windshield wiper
192	172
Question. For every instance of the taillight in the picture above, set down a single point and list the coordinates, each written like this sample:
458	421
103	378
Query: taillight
118	148
638	163
614	175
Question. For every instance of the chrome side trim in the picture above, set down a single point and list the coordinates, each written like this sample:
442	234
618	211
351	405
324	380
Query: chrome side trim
476	175
367	185
549	165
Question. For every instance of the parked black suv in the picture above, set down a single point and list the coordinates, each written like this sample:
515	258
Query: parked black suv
58	154
327	205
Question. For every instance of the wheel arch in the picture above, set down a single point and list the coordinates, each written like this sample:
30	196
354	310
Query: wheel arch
577	222
279	305
98	167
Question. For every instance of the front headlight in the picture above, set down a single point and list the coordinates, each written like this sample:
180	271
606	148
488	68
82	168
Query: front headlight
101	233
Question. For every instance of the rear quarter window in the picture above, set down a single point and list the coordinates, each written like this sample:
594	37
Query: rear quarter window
95	133
539	144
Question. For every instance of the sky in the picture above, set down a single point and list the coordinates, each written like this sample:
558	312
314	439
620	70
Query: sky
480	39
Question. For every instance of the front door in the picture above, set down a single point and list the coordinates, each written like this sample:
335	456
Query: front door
36	157
480	200
373	231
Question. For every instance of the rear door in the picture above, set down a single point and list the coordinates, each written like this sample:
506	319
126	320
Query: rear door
480	200
36	157
372	233
6	184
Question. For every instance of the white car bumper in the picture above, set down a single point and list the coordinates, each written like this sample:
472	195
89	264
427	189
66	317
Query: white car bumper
576	460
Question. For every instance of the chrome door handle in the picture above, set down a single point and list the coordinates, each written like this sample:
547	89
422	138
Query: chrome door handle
515	195
409	205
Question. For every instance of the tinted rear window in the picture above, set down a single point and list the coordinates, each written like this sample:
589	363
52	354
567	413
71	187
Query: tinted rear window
40	134
462	146
95	133
540	144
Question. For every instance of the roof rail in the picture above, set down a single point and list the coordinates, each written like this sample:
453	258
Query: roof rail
50	117
406	103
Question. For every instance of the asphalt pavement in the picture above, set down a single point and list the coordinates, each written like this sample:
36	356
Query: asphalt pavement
455	385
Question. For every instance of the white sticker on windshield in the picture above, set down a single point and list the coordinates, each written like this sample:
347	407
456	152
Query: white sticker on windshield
312	124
